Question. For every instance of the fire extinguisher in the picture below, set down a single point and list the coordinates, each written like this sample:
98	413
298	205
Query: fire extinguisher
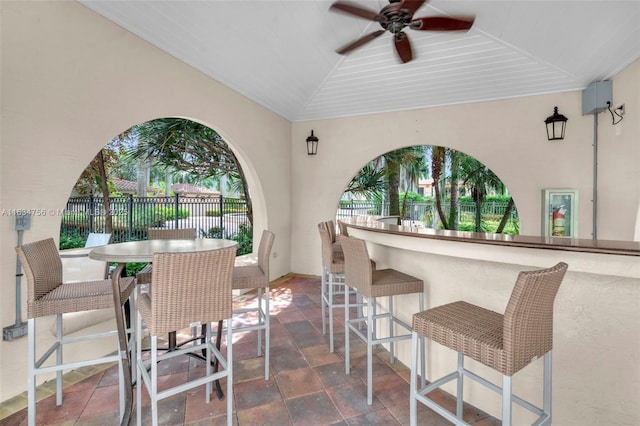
558	227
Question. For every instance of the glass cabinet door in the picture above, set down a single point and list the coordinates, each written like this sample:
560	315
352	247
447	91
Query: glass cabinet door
560	213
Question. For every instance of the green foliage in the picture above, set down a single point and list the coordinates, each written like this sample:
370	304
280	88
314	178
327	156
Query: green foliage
228	209
169	212
489	198
143	218
244	238
71	240
133	268
412	196
512	227
74	218
215	232
368	182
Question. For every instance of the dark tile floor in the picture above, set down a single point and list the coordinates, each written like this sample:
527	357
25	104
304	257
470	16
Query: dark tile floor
307	386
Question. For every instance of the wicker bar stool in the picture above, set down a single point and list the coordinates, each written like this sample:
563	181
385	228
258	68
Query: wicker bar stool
47	295
332	282
252	272
189	290
371	284
144	275
343	229
506	343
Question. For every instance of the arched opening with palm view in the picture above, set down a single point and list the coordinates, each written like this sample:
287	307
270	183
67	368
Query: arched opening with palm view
433	187
168	173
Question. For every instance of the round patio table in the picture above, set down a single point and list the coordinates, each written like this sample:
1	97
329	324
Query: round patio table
143	251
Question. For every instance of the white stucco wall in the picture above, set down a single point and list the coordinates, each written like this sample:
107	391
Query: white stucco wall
507	135
72	80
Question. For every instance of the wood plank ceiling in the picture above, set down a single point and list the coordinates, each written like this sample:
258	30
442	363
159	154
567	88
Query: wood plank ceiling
281	54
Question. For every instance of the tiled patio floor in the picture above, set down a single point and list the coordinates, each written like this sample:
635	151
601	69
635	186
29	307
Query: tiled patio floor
308	385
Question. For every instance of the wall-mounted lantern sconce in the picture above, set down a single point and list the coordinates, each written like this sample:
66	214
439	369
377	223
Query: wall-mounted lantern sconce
312	144
556	124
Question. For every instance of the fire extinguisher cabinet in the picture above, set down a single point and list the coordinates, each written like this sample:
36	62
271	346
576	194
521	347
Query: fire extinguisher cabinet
560	213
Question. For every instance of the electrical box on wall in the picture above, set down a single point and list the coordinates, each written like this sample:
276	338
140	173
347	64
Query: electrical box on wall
596	97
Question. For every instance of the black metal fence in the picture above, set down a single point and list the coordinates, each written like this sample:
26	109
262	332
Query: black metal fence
220	217
215	217
424	213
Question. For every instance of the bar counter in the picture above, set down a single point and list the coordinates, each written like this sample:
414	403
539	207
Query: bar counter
624	259
596	352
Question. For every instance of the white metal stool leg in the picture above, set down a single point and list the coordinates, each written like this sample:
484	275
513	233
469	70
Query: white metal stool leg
31	359
347	357
331	296
392	347
267	333
230	373
323	293
371	301
546	397
460	386
138	361
506	400
413	403
59	359
260	320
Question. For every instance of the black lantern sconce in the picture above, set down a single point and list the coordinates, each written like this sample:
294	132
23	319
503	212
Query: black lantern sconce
556	124
312	144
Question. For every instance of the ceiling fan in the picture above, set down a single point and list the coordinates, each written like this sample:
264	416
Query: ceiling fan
395	17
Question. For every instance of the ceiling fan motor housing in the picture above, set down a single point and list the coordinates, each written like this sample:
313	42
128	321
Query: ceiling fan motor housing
394	19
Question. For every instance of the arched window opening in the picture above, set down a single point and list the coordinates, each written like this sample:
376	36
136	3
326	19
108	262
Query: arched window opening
168	172
433	187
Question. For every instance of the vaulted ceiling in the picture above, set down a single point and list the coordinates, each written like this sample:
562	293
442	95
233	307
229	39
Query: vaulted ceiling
281	54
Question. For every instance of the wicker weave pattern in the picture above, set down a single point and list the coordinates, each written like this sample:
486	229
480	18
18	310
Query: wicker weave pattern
171	234
47	295
343	228
332	258
256	276
331	228
335	241
361	274
188	288
506	343
144	275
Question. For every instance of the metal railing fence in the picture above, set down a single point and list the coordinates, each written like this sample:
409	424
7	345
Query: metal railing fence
425	212
214	217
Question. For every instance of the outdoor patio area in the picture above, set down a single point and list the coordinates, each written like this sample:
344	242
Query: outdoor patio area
307	385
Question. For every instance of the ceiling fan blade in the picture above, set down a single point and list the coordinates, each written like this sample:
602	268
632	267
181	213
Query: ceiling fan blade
354	9
403	47
441	23
363	40
411	5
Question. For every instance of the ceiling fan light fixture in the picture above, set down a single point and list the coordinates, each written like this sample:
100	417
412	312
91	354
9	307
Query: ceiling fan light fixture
394	18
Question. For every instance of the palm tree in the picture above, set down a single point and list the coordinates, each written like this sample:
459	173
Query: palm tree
437	163
368	182
192	147
95	177
454	158
410	159
481	179
505	217
414	169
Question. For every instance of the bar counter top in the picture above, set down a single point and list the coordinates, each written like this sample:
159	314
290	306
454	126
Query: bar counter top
378	224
